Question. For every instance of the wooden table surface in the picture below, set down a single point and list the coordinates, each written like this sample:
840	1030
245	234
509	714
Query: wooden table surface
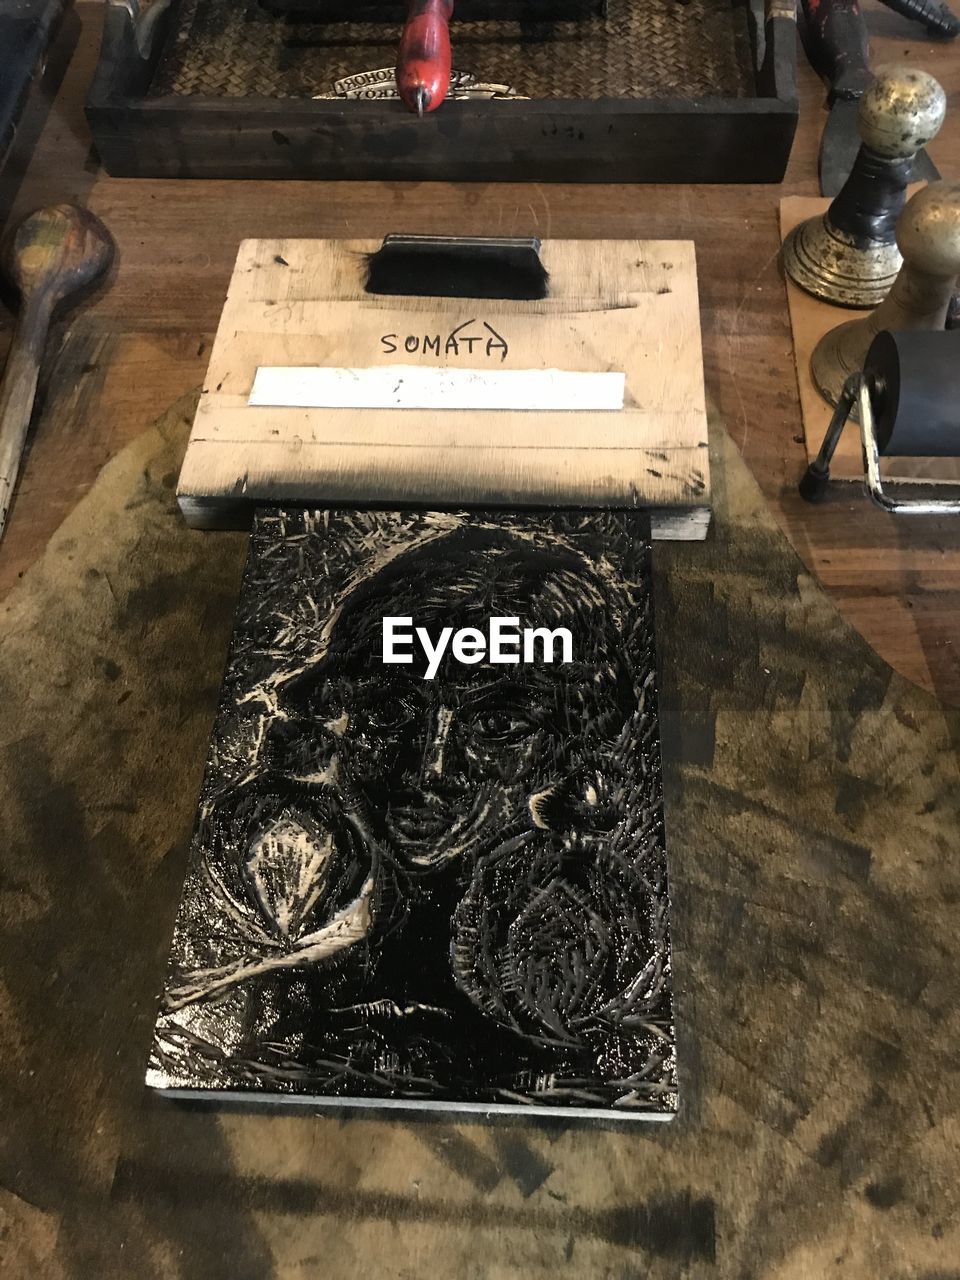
145	341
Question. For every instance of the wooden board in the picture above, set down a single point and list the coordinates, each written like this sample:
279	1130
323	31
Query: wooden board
623	306
811	319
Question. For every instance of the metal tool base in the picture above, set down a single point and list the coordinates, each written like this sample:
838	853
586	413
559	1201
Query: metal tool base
827	265
838	354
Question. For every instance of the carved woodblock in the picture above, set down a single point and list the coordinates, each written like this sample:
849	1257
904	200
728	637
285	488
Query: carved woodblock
438	882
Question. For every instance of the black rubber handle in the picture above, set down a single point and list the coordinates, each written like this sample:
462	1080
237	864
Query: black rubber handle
458	267
835	38
938	19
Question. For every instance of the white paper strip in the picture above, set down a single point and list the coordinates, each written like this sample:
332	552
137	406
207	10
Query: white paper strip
403	386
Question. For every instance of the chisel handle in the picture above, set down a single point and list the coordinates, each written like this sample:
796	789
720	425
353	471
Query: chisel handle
938	19
835	38
423	63
18	392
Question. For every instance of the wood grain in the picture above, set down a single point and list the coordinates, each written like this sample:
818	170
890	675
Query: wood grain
623	306
812	811
897	581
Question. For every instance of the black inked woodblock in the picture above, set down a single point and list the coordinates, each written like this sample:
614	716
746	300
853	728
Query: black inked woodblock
431	893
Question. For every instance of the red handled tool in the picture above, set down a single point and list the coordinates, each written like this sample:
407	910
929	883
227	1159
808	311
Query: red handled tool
423	63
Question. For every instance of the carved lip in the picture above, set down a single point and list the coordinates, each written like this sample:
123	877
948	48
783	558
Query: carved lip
433	826
420	815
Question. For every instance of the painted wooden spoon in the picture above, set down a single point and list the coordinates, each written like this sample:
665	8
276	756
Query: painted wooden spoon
51	258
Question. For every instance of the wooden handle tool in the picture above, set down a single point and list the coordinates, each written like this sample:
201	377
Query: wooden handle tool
423	63
836	41
51	258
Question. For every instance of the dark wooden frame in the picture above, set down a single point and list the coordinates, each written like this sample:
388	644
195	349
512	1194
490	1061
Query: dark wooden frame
544	140
26	31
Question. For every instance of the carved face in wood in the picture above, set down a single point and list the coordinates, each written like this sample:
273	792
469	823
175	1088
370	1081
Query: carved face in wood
459	764
450	886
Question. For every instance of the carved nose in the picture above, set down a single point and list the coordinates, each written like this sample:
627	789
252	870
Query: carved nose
436	746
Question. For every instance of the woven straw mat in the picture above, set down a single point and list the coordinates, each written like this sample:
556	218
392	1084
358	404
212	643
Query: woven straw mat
641	49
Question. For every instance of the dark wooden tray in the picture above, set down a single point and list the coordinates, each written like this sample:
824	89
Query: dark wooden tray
210	88
466	10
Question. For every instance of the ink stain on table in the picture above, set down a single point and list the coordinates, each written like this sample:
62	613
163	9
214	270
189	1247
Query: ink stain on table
431	883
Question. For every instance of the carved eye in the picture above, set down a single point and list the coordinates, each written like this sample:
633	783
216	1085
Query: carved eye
502	727
390	713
